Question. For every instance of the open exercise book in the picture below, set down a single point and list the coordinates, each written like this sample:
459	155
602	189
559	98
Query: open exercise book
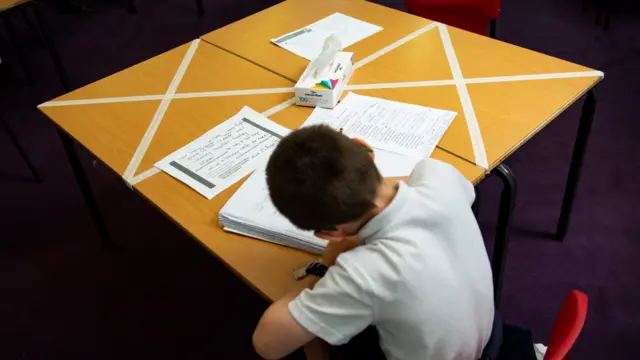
400	134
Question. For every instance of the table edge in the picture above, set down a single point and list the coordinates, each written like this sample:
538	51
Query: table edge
544	124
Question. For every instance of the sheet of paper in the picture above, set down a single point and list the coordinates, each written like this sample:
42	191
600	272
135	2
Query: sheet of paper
389	164
318	116
225	154
308	41
302	245
397	127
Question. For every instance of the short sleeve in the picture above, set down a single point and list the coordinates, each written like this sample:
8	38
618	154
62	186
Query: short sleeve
444	176
336	309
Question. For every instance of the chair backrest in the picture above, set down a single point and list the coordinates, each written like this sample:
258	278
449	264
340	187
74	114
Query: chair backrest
567	326
470	15
489	8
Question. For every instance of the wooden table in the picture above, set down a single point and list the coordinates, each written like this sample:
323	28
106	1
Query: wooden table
111	116
509	111
503	94
8	4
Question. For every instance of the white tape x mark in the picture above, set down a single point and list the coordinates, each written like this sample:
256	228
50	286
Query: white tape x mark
157	118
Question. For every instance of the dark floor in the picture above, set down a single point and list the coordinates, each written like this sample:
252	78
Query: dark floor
164	297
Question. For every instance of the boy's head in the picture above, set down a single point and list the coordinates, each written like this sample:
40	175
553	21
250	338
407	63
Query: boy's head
320	179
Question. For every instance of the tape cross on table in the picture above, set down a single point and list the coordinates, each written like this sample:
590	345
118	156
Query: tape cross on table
458	80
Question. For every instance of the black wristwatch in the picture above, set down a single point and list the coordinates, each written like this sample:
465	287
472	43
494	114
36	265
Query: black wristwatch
315	268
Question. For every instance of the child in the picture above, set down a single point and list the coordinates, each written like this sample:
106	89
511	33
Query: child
405	257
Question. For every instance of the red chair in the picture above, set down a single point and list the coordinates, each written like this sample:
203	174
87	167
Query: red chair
470	15
567	326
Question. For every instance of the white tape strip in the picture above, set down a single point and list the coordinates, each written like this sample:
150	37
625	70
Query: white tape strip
157	118
467	107
565	75
410	84
166	96
400	85
279	107
348	87
144	175
233	93
101	100
394	45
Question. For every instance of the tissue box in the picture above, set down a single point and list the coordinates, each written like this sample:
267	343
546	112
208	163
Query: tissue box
325	90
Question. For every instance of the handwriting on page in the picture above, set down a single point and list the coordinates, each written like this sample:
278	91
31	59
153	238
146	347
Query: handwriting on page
223	154
389	164
373	122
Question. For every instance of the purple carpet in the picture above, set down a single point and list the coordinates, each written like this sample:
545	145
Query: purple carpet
165	297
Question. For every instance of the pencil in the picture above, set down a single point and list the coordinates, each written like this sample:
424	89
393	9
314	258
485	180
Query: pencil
367	149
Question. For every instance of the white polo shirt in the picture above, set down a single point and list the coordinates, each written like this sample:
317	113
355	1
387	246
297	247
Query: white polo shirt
421	276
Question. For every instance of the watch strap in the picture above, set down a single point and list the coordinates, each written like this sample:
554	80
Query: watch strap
315	268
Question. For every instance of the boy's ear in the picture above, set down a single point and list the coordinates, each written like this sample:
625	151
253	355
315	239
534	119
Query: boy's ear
331	235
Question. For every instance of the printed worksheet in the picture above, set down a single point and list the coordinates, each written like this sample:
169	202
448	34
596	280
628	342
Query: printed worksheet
224	154
401	128
388	163
308	41
400	134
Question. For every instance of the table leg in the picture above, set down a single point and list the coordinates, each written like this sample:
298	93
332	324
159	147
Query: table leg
200	7
32	27
53	51
584	129
23	153
505	215
131	6
492	28
67	142
475	207
14	45
85	187
316	349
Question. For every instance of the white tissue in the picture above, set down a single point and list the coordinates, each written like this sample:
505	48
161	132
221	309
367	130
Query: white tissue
330	48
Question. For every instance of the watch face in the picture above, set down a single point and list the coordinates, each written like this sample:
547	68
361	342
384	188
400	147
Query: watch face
317	269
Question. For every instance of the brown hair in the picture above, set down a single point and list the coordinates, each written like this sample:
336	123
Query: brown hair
319	178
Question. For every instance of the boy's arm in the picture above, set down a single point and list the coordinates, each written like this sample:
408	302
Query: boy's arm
278	333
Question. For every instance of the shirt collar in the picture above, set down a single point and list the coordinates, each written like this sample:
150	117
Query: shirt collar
372	229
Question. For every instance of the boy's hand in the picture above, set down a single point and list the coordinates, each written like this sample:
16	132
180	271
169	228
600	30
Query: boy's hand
336	246
395	179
